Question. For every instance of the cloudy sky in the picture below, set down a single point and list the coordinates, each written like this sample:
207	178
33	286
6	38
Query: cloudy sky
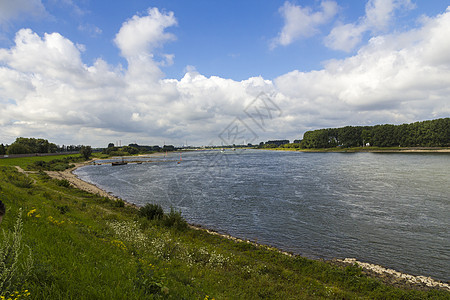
210	72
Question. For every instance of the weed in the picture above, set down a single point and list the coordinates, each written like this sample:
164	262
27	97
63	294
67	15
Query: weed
62	182
14	268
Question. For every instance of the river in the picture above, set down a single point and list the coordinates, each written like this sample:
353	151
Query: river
391	209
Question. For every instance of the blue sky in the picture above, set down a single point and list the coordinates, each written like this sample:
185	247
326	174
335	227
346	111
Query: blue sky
153	71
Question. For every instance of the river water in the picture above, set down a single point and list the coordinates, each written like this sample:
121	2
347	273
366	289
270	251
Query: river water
382	208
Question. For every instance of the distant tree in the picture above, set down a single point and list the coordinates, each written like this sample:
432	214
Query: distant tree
130	150
432	133
86	152
32	145
2	149
16	148
110	145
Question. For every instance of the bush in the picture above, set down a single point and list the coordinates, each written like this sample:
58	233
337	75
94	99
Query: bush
62	182
119	203
151	211
174	219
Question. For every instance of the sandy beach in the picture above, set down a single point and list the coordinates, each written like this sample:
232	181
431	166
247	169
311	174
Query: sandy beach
77	182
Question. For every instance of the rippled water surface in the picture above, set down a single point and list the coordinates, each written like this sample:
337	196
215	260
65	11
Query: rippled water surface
388	209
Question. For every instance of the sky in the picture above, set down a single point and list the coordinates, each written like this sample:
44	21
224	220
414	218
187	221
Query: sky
217	72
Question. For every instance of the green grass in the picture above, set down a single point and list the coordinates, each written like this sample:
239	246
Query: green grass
88	247
23	162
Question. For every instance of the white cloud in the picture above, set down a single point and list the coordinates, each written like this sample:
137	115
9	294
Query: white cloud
301	22
395	78
47	91
139	36
378	16
10	10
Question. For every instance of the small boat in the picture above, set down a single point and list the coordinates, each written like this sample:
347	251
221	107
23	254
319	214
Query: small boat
119	163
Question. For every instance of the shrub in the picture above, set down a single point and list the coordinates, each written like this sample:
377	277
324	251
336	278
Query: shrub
62	182
119	203
14	269
63	209
151	211
174	219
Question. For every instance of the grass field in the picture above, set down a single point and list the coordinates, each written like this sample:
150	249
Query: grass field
88	247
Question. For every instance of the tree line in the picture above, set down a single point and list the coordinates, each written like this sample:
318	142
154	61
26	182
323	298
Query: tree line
432	133
36	145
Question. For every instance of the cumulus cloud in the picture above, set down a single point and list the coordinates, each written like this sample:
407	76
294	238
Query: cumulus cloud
397	76
302	22
10	10
139	36
379	14
48	91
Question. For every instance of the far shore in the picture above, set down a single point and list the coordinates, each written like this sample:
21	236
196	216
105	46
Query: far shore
366	149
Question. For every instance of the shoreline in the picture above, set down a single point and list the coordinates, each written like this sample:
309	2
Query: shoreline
364	150
387	275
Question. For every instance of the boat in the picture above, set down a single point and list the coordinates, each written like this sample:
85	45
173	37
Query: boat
119	163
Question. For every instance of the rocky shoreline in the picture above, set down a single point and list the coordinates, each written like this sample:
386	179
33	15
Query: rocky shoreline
394	277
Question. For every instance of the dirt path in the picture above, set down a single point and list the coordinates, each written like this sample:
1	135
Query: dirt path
77	182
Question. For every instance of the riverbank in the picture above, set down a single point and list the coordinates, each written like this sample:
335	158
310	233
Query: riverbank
74	236
387	275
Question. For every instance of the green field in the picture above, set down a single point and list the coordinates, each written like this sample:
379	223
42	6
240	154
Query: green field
88	247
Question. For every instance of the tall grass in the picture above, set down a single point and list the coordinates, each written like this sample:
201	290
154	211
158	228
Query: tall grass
15	263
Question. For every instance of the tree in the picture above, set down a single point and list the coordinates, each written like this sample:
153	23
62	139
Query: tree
86	152
16	148
2	149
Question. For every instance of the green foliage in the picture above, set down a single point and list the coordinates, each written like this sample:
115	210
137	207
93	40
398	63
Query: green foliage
62	182
19	180
54	164
86	152
31	145
155	212
15	265
434	133
149	280
130	150
119	203
175	220
151	211
25	162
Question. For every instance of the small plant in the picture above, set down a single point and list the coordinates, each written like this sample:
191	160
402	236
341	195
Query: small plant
151	211
174	219
14	268
63	209
149	279
62	182
119	203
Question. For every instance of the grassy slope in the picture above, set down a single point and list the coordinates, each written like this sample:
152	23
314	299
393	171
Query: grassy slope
85	247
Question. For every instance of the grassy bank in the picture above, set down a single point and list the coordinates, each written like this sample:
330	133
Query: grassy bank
88	247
